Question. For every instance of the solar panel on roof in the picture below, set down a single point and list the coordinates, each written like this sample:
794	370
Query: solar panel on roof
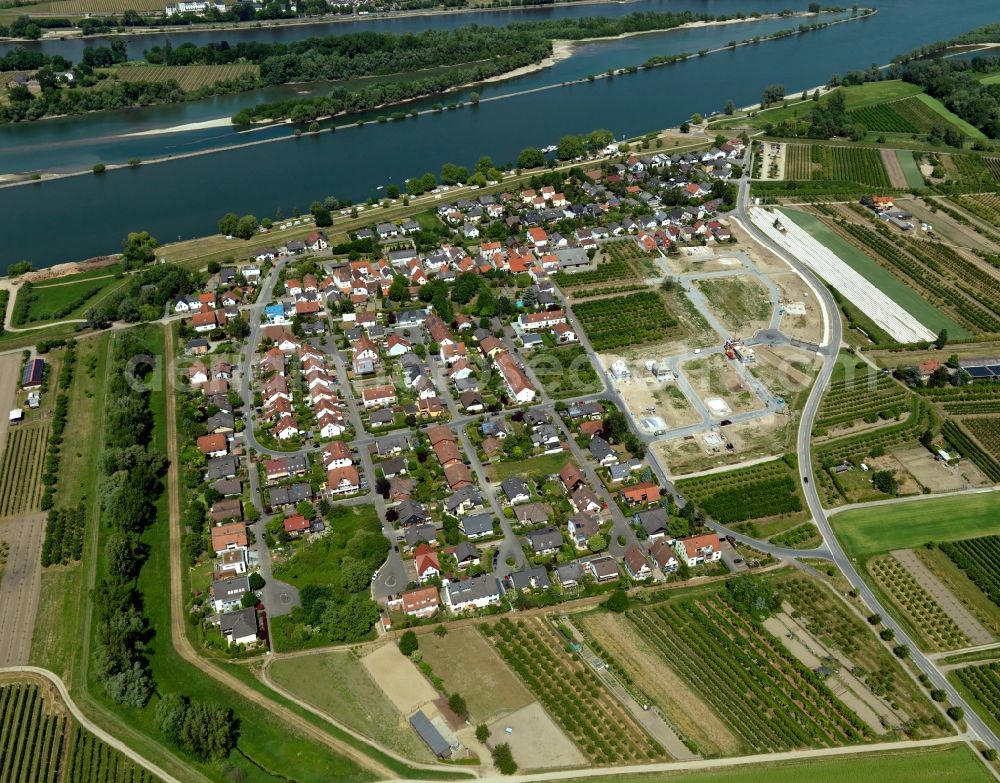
995	369
979	372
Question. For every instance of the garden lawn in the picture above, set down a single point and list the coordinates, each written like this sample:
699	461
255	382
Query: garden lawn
881	278
318	563
545	465
57	302
875	529
969	130
947	764
911	171
565	371
336	683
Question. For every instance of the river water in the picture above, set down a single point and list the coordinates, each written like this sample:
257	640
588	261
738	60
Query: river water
82	216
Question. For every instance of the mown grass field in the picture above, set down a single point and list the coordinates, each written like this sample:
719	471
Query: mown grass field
882	279
544	465
910	169
189	77
949	117
339	685
906	525
947	764
565	371
57	301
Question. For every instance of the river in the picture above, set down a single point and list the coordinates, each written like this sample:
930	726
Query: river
82	216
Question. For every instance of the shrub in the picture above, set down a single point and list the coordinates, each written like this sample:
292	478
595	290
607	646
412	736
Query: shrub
938	695
618	602
408	643
887	634
482	732
456	703
956	713
504	759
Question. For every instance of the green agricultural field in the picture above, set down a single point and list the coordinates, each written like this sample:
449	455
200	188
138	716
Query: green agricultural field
189	77
565	371
949	117
758	492
620	321
21	469
882	279
876	529
981	686
948	764
911	171
337	684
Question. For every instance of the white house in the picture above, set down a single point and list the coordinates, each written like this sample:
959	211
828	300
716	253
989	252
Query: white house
475	593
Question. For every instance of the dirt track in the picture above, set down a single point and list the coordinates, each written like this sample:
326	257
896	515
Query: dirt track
9	366
22	581
896	176
178	636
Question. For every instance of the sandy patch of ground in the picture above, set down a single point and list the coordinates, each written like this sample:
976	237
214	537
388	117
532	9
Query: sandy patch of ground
767	436
535	740
20	588
471	666
933	474
939	591
680	705
9	366
714	376
773	164
397	675
685	264
766	262
808	327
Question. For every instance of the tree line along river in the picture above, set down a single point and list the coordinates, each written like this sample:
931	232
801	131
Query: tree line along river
185	197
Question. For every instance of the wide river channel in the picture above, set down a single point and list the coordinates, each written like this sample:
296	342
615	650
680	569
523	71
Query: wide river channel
81	216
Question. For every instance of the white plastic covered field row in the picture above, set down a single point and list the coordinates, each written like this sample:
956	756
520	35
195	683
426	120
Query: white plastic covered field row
878	306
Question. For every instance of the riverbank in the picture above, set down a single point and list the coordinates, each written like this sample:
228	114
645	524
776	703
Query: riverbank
329	19
565	46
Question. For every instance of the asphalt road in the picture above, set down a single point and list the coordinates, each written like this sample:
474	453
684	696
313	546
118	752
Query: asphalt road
977	728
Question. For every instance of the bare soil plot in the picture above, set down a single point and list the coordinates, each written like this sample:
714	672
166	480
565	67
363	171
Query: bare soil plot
469	665
10	364
945	226
19	590
535	740
785	371
401	680
931	473
944	597
698	263
764	437
680	704
340	686
807	326
892	168
714	376
647	397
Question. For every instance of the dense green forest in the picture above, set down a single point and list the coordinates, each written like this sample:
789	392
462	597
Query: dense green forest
472	50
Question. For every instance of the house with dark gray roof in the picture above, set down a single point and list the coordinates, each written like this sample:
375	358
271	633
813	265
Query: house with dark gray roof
228	487
291	495
601	451
425	532
545	541
516	490
429	734
222	468
463	500
477	525
654	522
466	555
475	593
569	574
536	578
412	513
239	627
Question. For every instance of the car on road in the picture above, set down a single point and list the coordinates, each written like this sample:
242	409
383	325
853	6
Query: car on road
805	479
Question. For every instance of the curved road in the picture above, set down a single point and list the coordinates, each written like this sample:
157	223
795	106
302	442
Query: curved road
977	727
84	721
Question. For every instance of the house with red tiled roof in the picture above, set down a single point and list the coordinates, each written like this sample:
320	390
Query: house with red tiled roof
644	492
425	559
696	550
